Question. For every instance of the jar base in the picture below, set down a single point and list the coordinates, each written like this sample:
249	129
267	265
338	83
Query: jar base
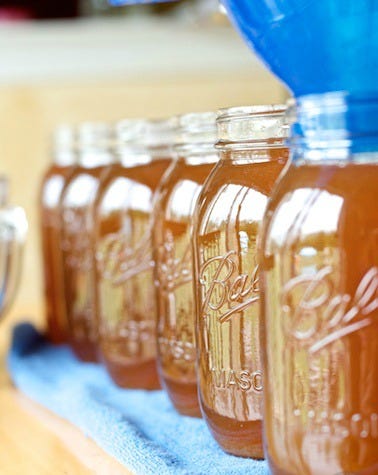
56	332
183	396
85	350
239	438
56	338
141	375
276	470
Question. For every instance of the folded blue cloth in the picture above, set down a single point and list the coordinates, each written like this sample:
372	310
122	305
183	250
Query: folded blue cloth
139	428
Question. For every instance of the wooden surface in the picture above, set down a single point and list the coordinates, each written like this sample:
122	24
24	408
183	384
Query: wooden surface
34	441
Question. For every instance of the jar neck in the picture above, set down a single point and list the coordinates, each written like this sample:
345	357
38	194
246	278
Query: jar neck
197	154
64	146
65	158
94	158
130	157
250	134
261	154
334	128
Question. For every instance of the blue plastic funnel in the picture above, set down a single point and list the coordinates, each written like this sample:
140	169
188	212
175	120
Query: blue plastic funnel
314	46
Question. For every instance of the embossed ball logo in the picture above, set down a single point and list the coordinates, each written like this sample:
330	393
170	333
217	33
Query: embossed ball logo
226	290
316	315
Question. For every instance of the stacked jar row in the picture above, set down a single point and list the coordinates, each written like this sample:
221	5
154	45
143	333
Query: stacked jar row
166	260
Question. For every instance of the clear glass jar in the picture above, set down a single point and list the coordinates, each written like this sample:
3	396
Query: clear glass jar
13	233
125	284
227	223
173	215
77	213
319	271
63	164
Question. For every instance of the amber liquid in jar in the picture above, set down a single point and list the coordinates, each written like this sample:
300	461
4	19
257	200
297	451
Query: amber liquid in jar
52	187
95	159
125	285
173	216
320	308
230	211
327	267
79	259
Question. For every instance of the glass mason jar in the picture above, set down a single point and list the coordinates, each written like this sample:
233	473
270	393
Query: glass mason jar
54	180
319	271
173	215
77	213
227	222
125	284
13	233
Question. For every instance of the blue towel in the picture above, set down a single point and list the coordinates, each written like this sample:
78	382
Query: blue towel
139	428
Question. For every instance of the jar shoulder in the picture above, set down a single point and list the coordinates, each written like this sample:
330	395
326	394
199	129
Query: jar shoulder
314	202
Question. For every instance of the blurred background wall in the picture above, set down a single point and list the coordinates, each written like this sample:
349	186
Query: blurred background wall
102	63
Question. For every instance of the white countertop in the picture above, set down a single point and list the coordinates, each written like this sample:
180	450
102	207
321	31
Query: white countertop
118	48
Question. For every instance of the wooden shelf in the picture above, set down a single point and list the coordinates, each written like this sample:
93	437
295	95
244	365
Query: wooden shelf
36	442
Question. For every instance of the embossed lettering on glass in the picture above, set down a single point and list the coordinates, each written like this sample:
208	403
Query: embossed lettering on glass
319	270
77	212
173	215
125	283
227	223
